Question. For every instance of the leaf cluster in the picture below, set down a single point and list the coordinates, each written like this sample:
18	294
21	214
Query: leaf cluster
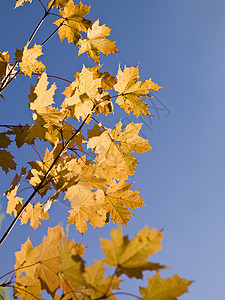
85	163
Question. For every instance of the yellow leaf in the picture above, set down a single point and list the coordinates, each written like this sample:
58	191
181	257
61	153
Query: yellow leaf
56	263
14	203
26	259
117	198
74	21
27	59
130	90
6	161
114	147
21	2
27	288
40	97
99	286
48	260
164	289
130	257
91	210
96	42
34	214
47	125
84	95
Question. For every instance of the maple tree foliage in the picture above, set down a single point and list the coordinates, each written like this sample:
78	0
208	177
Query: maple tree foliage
85	163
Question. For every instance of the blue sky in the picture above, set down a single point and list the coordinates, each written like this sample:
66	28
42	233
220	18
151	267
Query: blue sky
180	45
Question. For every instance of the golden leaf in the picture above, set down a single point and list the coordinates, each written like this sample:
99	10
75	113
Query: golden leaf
40	97
14	203
74	21
96	42
26	259
34	214
117	198
114	147
91	210
130	90
27	59
164	289
84	95
130	257
27	287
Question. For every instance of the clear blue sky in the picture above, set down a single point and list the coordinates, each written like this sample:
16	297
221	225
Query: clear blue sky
181	45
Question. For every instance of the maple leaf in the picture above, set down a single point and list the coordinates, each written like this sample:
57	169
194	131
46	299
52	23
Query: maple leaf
59	3
14	203
4	140
6	161
164	289
27	59
92	211
130	257
21	2
48	259
40	97
26	259
130	90
96	42
114	147
100	287
54	262
117	198
47	125
74	21
34	214
27	288
38	171
84	94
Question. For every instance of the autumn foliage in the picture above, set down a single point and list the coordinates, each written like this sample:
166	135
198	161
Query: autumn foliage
85	163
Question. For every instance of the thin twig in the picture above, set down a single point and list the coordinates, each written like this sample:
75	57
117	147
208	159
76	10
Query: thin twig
40	23
51	35
42	5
